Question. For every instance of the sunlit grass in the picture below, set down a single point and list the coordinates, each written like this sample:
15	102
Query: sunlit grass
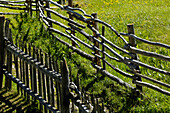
151	20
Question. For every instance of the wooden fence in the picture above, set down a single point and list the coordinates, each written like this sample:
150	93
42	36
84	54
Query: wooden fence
41	77
101	48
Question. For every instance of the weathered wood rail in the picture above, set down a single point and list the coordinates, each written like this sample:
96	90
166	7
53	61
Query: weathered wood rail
100	50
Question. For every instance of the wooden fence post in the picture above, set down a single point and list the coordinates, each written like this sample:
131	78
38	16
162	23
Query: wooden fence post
27	6
93	103
2	46
102	109
70	3
30	3
31	68
8	34
23	67
16	66
103	48
34	73
48	84
65	87
48	13
43	79
9	62
56	66
96	44
39	78
27	71
132	42
51	82
37	11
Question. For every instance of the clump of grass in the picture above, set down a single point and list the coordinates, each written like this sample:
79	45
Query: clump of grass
31	30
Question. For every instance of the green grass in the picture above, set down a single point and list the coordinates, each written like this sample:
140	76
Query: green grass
151	20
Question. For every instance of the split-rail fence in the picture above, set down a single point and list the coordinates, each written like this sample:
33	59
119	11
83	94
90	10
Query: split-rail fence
101	48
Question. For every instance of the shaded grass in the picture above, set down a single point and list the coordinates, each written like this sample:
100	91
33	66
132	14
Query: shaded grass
11	102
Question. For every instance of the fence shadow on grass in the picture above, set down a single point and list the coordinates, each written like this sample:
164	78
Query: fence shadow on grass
13	102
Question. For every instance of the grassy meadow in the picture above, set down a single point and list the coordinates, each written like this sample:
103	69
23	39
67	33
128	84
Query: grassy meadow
151	19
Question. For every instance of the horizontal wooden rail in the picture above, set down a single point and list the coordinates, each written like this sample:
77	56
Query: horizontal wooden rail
6	2
152	87
81	32
85	44
57	23
12	4
113	58
107	41
78	9
147	66
65	18
53	21
28	59
1	13
109	26
120	71
97	55
147	53
16	8
146	41
63	34
56	4
80	52
120	57
114	78
44	21
153	80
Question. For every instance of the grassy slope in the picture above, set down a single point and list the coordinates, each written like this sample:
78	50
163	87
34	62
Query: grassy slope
151	18
151	21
